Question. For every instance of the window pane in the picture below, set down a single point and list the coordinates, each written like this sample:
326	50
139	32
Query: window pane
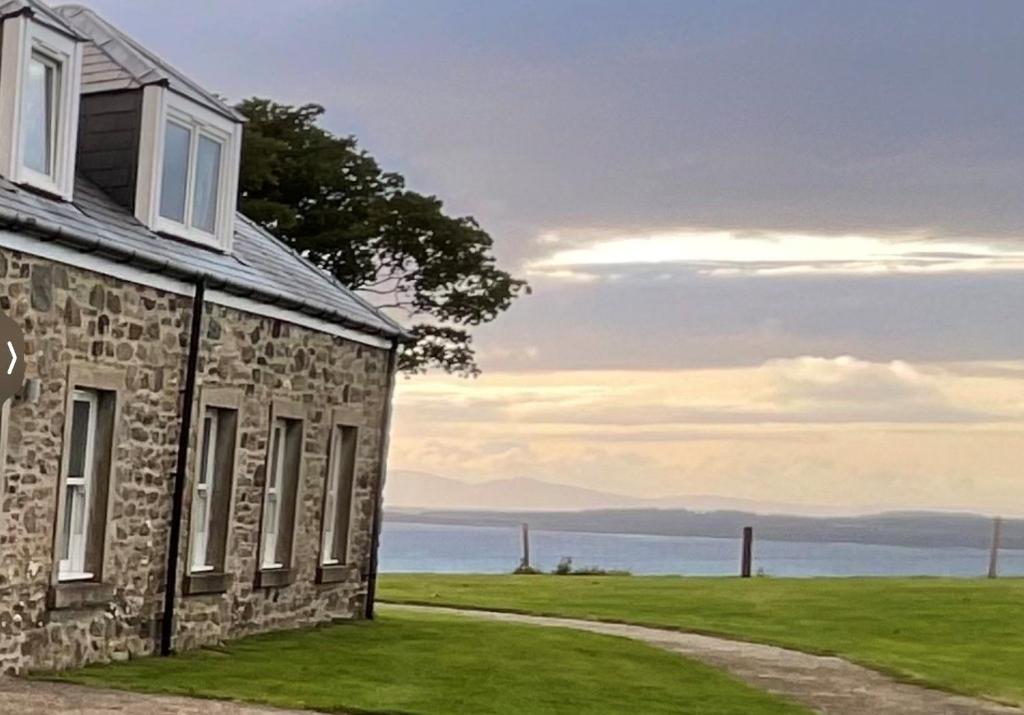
346	480
277	458
39	115
208	446
272	515
69	509
174	185
79	439
199	548
204	206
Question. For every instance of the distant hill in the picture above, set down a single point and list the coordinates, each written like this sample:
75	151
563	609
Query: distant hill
407	489
921	529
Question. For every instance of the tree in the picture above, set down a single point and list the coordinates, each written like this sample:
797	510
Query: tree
331	201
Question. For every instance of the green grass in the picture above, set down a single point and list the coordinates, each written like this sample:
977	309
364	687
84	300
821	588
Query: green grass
959	635
425	664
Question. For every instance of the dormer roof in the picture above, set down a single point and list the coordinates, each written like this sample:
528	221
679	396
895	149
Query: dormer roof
114	61
42	14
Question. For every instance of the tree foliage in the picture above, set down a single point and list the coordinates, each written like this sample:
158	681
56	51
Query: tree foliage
331	201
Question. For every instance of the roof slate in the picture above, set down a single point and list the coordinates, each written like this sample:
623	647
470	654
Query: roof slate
113	60
260	262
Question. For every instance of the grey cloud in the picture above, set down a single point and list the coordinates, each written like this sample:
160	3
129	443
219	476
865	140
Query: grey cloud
672	317
798	114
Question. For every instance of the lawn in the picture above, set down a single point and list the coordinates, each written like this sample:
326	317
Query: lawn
427	664
959	635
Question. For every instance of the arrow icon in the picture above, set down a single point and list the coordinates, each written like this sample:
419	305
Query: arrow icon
12	372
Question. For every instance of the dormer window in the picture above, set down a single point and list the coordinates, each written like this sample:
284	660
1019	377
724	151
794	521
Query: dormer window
40	69
39	116
188	169
191	176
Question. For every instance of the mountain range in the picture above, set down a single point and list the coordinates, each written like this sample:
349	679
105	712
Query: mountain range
408	489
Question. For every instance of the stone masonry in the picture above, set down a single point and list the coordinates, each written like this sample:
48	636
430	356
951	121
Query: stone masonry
74	318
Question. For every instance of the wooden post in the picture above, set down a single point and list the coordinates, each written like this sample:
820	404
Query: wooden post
526	547
748	552
997	537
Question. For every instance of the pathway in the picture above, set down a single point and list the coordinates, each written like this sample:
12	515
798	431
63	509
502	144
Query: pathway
827	685
27	697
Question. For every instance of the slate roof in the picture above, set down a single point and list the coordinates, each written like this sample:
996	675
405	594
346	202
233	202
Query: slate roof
260	266
42	12
112	60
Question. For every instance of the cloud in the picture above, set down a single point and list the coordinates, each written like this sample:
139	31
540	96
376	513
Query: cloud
807	118
733	253
660	317
847	389
810	429
847	380
808	391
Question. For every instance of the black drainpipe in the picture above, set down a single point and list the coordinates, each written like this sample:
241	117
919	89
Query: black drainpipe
180	471
371	589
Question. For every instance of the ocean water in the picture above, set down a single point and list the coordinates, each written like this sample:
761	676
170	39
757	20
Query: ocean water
408	547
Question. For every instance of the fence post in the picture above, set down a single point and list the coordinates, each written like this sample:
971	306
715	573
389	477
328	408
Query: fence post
525	564
997	537
748	552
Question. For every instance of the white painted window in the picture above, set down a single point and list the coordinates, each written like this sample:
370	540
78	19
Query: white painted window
338	497
276	476
177	160
190	182
206	483
79	483
40	114
188	169
40	72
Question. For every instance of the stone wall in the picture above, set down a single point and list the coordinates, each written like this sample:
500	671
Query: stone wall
75	318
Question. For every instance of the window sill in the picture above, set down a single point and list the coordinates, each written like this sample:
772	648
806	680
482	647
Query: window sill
336	573
273	578
206	582
77	577
79	594
47	189
180	232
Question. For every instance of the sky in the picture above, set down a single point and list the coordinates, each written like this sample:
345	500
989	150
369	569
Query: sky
776	248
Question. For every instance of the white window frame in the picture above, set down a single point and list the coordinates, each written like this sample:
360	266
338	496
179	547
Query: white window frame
272	497
22	38
333	494
206	483
161	105
73	567
56	66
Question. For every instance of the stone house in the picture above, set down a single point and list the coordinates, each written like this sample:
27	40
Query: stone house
198	449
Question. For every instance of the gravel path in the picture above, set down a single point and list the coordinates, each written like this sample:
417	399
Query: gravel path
826	685
26	697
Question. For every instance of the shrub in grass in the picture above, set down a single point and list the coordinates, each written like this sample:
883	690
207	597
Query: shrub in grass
565	568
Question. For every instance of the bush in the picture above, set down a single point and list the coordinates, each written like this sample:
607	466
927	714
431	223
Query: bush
565	568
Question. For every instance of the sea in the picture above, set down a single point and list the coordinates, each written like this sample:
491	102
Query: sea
433	548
